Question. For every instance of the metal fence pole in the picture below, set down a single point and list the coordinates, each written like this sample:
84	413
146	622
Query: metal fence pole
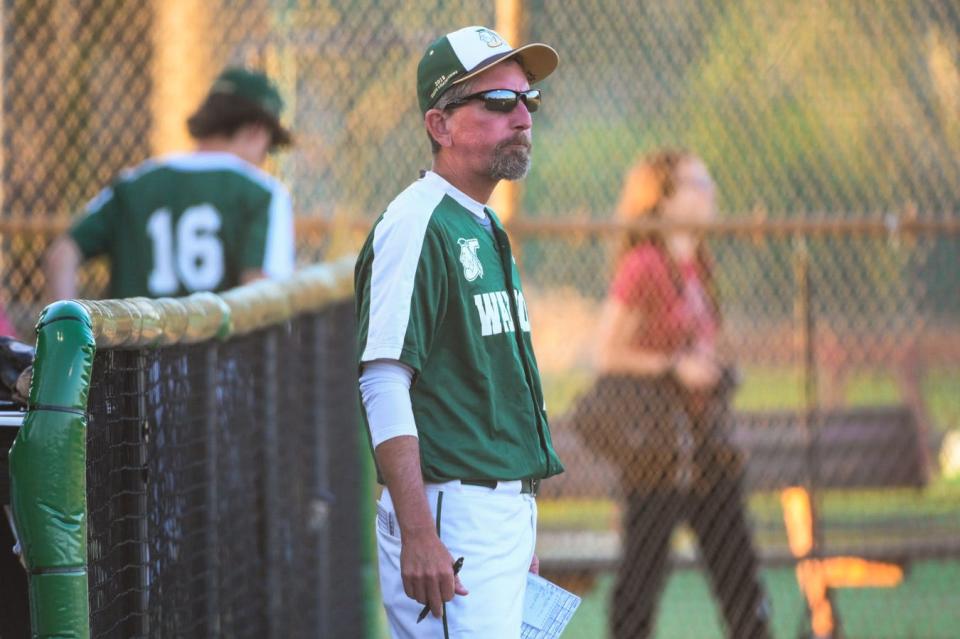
505	199
824	619
354	601
180	69
146	432
322	493
211	476
271	483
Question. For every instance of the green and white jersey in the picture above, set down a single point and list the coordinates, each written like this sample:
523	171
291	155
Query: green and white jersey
188	222
441	293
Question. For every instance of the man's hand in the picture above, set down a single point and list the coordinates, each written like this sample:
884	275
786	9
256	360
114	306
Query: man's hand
426	566
427	570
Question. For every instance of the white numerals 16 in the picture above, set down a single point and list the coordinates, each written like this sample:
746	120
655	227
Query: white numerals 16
196	259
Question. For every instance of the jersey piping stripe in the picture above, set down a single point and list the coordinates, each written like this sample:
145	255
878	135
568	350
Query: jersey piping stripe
397	244
446	631
101	198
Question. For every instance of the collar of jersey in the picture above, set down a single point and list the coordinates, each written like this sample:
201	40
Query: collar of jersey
464	200
197	159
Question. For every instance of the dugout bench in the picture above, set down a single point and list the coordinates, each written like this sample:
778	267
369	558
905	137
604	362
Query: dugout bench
798	455
869	447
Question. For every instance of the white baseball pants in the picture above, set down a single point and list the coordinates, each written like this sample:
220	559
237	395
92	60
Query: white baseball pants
494	530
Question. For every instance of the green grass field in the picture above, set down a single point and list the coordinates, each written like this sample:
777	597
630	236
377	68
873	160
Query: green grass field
925	606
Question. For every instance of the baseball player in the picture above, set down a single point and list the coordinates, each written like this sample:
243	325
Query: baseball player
206	220
449	382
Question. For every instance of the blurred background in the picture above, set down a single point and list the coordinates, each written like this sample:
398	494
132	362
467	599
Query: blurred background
832	130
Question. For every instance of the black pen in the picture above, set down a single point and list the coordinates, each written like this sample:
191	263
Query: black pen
457	565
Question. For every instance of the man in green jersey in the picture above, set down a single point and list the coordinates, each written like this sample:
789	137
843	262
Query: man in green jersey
448	378
206	220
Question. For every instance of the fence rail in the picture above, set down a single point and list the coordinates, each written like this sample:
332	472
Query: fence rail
830	130
216	478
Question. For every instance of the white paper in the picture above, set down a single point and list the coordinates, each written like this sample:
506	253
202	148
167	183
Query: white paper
547	608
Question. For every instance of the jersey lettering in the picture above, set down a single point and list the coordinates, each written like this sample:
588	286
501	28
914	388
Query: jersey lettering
504	303
489	314
195	260
162	279
522	311
199	251
494	312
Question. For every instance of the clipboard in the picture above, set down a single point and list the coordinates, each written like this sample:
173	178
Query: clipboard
547	608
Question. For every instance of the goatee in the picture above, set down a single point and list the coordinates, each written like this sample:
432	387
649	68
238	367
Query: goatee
511	159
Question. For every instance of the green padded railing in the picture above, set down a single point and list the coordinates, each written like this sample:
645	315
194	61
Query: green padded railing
48	473
48	457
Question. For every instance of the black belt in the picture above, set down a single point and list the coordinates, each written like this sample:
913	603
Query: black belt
527	486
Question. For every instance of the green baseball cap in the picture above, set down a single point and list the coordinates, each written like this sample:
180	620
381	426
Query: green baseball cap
250	85
257	88
462	54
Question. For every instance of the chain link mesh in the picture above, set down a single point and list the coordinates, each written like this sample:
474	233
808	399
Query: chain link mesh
805	113
210	487
854	409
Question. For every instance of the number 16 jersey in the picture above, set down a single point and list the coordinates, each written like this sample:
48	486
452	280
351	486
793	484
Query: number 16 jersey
188	222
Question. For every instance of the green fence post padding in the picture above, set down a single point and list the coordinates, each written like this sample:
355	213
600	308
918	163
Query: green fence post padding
58	605
48	474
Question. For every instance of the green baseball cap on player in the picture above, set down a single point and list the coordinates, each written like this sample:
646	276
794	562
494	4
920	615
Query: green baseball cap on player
250	85
464	53
255	87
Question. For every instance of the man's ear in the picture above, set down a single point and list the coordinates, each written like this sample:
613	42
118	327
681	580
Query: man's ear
437	126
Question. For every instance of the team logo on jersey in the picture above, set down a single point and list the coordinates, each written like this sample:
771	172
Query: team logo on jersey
472	268
490	38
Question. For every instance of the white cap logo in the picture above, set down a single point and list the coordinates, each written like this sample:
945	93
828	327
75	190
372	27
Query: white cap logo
490	38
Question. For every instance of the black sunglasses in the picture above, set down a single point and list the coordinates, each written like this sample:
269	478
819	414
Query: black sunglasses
501	100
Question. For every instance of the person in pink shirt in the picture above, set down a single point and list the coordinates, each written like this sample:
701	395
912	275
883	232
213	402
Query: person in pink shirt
659	409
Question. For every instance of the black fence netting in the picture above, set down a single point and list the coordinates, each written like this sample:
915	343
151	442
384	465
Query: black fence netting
213	501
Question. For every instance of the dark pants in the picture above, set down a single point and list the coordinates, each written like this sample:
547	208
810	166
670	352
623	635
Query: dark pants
677	463
718	519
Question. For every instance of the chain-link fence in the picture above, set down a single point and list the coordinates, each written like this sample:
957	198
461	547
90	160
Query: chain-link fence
93	87
809	116
833	436
211	487
223	495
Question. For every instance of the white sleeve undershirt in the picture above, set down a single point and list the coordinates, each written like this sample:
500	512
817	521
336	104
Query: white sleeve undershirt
385	391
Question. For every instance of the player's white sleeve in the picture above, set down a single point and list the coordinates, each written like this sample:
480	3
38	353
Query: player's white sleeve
279	255
385	391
